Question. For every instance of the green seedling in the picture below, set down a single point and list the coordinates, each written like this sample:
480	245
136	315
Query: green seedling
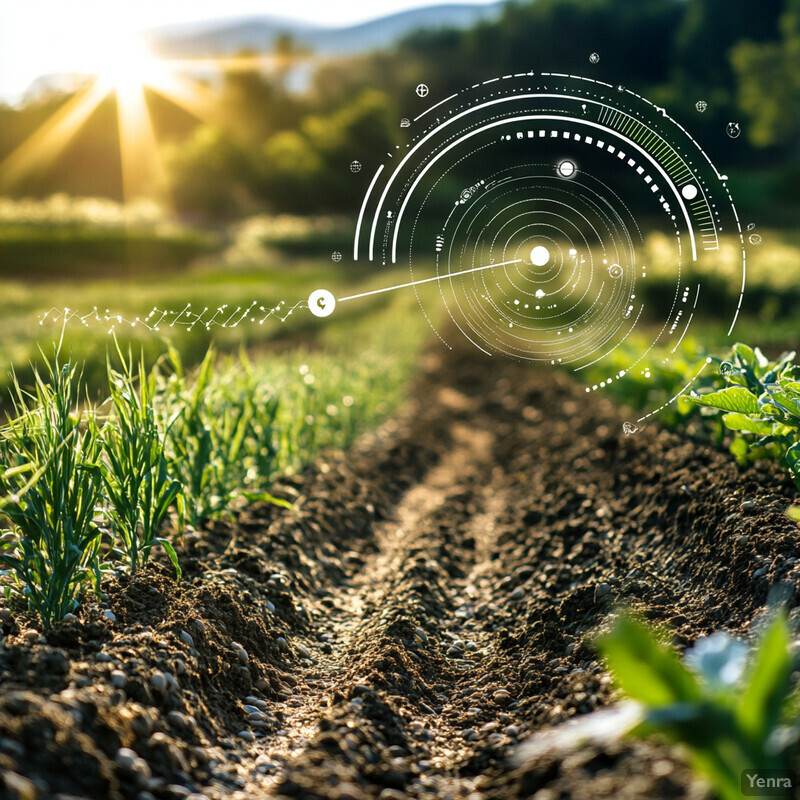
52	484
222	440
727	704
138	486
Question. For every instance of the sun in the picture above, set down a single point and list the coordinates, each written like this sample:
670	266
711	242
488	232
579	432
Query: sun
124	63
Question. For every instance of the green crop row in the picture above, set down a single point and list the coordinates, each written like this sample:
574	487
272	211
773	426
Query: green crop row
742	397
87	489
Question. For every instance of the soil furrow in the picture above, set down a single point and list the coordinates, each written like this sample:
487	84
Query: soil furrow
429	602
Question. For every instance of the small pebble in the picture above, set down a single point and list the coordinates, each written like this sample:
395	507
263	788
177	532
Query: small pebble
517	594
283	645
177	719
302	652
110	615
158	682
186	638
117	679
125	756
602	591
248	736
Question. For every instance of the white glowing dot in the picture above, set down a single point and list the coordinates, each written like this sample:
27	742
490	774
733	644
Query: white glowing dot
539	294
689	191
540	255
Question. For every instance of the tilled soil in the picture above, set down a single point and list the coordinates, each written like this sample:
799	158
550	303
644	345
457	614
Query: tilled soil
429	603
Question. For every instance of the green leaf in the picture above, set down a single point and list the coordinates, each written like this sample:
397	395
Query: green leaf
759	709
173	556
266	497
741	422
645	669
746	355
739	448
793	457
734	398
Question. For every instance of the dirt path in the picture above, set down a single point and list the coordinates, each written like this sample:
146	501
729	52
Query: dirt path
429	603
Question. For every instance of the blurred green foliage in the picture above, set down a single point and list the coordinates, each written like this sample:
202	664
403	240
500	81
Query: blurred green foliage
264	146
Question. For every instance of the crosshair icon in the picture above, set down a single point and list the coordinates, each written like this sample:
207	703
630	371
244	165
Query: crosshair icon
336	256
355	166
422	90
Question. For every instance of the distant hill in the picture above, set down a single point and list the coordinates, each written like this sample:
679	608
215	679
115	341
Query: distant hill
228	37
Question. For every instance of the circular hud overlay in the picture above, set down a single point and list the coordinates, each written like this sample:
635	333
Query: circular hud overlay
542	206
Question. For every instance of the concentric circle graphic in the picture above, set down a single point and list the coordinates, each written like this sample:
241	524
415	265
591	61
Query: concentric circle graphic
536	203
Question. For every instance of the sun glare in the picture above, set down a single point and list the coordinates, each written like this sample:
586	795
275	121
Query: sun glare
117	62
124	63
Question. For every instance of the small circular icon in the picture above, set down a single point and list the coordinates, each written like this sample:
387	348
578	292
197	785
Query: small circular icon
422	90
336	256
321	303
594	58
355	166
701	105
689	191
405	122
566	169
734	130
629	428
755	238
615	271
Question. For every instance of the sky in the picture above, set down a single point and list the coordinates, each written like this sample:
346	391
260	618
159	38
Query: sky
41	37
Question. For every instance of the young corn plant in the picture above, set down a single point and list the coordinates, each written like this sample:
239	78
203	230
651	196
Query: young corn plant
52	484
135	469
729	705
761	404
